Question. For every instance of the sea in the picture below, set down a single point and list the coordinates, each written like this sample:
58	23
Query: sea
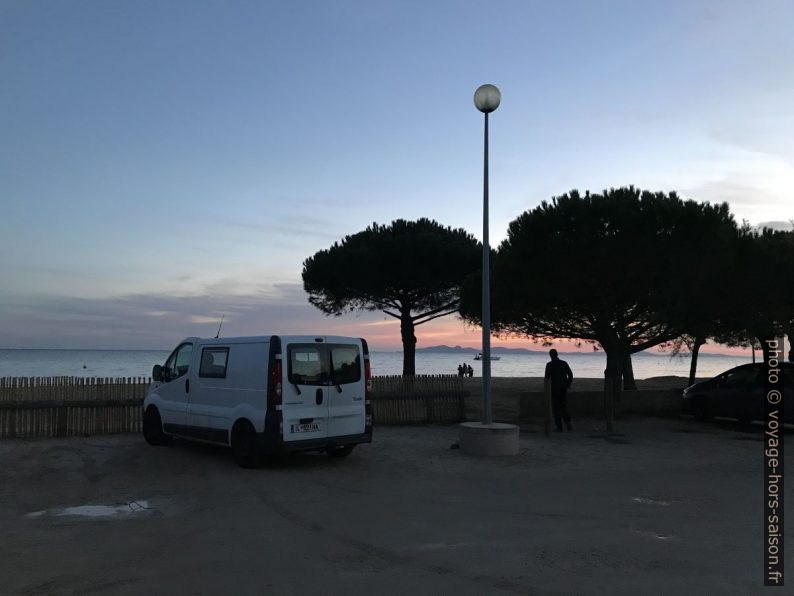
139	363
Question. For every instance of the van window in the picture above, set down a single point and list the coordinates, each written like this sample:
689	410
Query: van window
308	365
179	362
346	362
213	363
324	364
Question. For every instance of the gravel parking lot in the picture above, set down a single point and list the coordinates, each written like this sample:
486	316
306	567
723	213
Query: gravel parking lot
668	506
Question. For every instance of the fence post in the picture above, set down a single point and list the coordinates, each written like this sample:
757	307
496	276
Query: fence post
12	423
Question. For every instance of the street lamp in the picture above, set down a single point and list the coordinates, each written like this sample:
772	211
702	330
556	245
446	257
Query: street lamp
486	99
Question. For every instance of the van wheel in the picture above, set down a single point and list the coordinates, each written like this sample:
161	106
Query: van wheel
153	428
342	451
245	445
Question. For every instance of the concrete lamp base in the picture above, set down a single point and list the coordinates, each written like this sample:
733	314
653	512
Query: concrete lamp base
492	439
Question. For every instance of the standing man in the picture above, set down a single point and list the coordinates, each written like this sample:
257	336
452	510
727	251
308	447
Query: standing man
559	374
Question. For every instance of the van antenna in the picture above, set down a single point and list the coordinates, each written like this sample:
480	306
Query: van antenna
219	327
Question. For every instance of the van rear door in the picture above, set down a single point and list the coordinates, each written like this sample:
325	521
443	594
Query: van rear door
346	410
305	392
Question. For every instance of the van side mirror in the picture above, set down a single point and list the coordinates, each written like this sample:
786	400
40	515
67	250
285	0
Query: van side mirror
157	372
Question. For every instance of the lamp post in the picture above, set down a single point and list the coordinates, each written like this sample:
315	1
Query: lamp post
486	99
489	437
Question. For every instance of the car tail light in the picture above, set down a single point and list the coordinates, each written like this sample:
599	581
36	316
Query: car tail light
275	381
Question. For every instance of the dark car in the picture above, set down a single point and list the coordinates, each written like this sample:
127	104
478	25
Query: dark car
738	393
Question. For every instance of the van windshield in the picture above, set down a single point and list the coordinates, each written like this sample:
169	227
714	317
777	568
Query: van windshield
324	364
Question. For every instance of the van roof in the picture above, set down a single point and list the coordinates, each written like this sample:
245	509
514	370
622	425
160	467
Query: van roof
266	338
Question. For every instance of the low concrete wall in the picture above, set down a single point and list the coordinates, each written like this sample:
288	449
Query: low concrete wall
666	402
659	396
586	404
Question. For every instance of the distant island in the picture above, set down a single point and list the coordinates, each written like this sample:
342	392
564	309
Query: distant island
462	350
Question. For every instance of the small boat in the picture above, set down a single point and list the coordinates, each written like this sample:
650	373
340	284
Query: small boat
479	357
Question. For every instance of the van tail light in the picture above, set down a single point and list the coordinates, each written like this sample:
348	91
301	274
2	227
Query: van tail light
275	381
368	377
367	390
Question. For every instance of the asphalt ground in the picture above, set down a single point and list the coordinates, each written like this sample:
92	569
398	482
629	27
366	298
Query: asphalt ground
666	506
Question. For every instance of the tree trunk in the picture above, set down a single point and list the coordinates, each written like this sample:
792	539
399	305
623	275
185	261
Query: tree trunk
693	363
409	344
629	383
612	378
767	351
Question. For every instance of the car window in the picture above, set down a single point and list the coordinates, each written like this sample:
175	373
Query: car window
741	376
346	361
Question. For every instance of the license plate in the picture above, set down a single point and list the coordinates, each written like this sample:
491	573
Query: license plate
306	428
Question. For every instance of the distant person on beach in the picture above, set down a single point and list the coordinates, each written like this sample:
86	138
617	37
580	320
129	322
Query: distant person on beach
470	370
559	374
460	370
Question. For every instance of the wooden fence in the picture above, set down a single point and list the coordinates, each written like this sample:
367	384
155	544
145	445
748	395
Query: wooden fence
66	406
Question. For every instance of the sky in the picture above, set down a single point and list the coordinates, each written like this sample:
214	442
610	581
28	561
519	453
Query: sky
166	163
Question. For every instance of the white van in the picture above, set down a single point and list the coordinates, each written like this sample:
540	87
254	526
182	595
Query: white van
263	395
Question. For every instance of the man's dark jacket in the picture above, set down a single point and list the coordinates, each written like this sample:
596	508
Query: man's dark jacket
560	374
